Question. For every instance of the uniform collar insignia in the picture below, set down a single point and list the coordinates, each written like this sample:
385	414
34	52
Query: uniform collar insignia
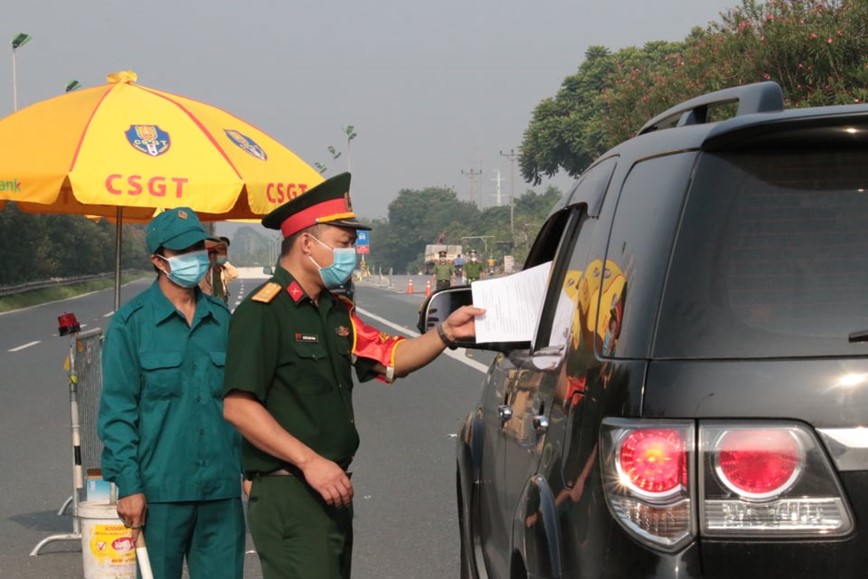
342	331
295	291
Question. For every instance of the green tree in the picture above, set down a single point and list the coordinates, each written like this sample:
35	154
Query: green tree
35	247
815	49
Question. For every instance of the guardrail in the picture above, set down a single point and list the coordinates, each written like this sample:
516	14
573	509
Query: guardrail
9	290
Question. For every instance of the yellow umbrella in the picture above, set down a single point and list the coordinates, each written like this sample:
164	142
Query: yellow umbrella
126	145
124	151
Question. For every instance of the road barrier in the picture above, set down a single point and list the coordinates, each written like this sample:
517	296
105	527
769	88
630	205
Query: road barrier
84	368
9	290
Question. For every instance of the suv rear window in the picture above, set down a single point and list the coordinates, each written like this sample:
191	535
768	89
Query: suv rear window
771	259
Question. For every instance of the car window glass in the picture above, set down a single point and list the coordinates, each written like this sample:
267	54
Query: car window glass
631	278
770	259
561	297
573	296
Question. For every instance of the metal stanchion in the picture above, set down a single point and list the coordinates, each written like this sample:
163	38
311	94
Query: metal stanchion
68	325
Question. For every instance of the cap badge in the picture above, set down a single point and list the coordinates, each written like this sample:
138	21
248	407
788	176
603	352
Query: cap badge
347	201
149	139
182	214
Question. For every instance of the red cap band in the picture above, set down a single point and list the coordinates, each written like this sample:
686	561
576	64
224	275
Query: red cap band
335	208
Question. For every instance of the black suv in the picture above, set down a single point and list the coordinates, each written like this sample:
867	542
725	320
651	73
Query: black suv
695	400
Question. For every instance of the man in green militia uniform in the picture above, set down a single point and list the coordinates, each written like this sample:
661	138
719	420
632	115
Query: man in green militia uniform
473	268
288	385
167	447
443	271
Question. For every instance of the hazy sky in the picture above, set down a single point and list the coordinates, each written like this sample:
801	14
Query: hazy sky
432	88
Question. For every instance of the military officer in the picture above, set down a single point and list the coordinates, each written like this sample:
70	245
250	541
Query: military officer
473	268
443	272
288	385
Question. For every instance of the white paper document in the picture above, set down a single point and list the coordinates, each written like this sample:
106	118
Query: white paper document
512	305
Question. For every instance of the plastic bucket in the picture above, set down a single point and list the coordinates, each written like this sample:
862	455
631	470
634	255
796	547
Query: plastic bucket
107	549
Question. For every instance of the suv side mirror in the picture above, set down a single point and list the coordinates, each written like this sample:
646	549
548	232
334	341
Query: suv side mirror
267	270
440	304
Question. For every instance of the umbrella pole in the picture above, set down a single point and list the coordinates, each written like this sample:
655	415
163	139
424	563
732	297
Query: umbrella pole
118	237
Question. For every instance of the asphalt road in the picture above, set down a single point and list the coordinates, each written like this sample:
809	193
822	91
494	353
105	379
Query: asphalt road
404	472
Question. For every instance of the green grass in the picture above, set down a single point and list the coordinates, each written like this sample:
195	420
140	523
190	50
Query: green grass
41	296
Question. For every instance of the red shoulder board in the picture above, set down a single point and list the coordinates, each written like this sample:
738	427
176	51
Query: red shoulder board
295	292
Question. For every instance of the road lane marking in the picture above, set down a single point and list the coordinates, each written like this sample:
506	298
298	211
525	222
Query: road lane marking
108	315
459	354
24	346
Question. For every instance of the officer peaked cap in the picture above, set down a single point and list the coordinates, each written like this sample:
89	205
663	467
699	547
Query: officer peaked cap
329	202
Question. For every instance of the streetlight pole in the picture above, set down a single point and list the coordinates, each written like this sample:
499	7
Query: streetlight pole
512	155
18	41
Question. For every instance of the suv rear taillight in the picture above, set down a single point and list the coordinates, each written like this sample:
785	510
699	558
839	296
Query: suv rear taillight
646	466
769	479
653	462
758	463
750	478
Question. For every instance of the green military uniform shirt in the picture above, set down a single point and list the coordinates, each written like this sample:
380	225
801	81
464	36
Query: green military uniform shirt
295	357
161	409
472	269
443	271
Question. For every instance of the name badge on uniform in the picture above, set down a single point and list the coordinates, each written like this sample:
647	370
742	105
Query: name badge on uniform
307	338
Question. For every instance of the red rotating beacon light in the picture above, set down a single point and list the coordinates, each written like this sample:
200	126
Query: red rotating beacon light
67	324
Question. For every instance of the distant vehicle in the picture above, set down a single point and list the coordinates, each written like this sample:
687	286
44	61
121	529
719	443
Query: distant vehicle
694	401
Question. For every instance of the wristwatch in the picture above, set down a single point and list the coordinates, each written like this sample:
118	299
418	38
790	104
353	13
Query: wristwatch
443	338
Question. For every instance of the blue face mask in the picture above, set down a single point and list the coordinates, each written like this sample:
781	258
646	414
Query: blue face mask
187	269
342	267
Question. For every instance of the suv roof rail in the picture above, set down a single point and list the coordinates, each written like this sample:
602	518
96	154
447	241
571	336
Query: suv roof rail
760	97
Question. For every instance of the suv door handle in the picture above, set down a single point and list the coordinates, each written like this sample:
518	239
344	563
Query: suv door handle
540	423
505	412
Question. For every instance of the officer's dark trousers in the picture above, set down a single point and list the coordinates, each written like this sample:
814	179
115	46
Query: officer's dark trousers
296	534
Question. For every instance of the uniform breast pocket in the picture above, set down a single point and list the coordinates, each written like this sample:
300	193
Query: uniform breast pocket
161	374
309	351
215	373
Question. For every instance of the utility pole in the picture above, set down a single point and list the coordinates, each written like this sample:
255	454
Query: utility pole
512	156
473	174
498	180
